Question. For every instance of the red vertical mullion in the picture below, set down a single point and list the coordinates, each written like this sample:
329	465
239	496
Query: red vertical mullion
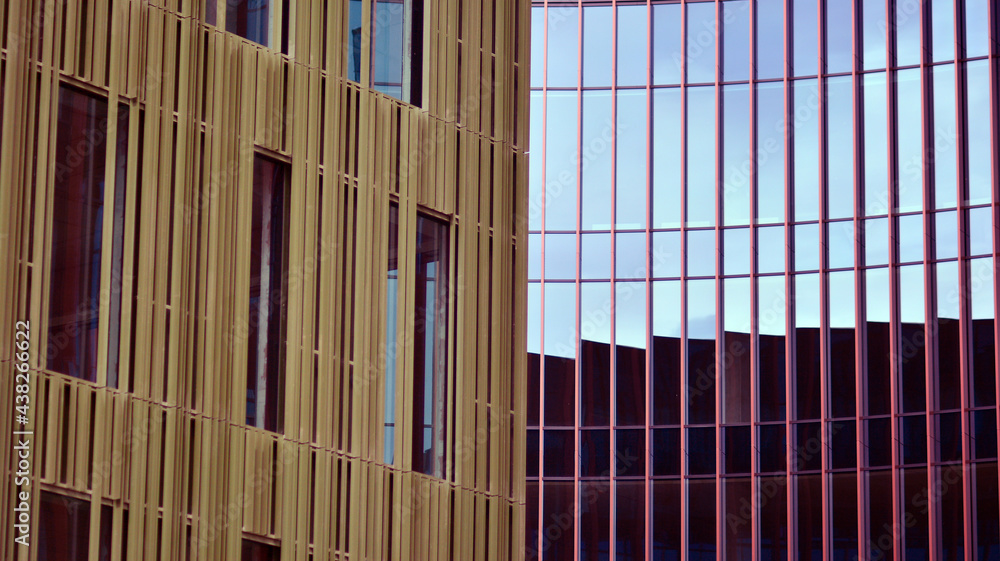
930	272
824	292
791	506
578	363
613	421
994	15
541	301
648	421
860	315
719	307
685	472
754	303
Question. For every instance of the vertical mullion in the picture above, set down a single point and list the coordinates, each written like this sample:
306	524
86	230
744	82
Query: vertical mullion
685	414
578	363
541	300
994	15
754	303
647	384
719	307
791	506
613	407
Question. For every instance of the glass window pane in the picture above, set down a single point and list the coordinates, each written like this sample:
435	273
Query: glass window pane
736	251
559	379
770	153
595	453
873	23
560	161
736	40
804	28
595	160
630	314
630	386
77	227
911	238
563	41
807	247
560	319
770	39
391	350
354	28
912	338
597	46
256	551
806	139
249	19
560	256
840	145
773	448
701	452
630	167
64	530
877	311
536	164
876	144
430	368
701	351
839	31
667	51
907	33
943	23
977	28
595	311
771	249
666	519
876	241
979	146
946	234
981	231
945	137
701	253
701	40
666	353
738	536
773	519
557	501
949	378
666	159
595	256
810	516
268	279
702	519
666	451
632	67
595	520
737	308
771	306
909	141
736	154
630	452
537	44
842	352
840	240
701	150
558	453
666	254
534	256
534	317
630	255
595	384
389	56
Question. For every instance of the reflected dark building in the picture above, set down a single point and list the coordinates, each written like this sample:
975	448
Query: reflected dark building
762	280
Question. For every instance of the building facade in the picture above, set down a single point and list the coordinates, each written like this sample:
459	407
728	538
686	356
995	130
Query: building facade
763	243
253	254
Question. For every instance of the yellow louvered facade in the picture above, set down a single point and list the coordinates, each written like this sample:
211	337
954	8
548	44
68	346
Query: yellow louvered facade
173	462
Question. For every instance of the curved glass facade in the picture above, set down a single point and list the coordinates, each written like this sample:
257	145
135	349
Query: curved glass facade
762	280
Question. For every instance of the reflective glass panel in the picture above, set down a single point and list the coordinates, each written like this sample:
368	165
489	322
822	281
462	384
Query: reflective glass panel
736	154
911	238
597	46
946	234
980	231
536	164
943	24
771	249
666	159
770	47
977	28
701	253
701	150
560	316
876	144
560	162
770	153
701	41
873	38
632	66
736	40
840	145
595	256
907	33
630	255
806	143
563	42
668	55
807	247
804	43
597	147
876	241
666	254
945	137
630	167
909	142
840	243
978	131
560	256
630	314
736	251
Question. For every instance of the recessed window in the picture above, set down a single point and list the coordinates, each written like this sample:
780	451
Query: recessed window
268	297
257	551
430	346
393	43
78	211
256	20
64	530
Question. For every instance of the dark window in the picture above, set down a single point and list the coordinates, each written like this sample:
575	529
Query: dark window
878	369
810	517
630	447
666	523
256	551
737	449
630	520
430	346
915	499
77	227
595	384
911	355
914	439
391	348
630	385
736	361
983	363
984	434
843	444
701	381
773	527
879	442
558	453
986	510
534	377
532	453
666	380
557	536
953	519
842	372
949	371
808	448
394	41
251	19
845	516
595	453
772	378
559	390
880	527
772	448
701	530
64	527
807	380
595	520
666	451
701	451
739	511
531	521
950	437
268	296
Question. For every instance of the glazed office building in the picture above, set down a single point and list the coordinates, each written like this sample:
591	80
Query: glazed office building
260	248
763	238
